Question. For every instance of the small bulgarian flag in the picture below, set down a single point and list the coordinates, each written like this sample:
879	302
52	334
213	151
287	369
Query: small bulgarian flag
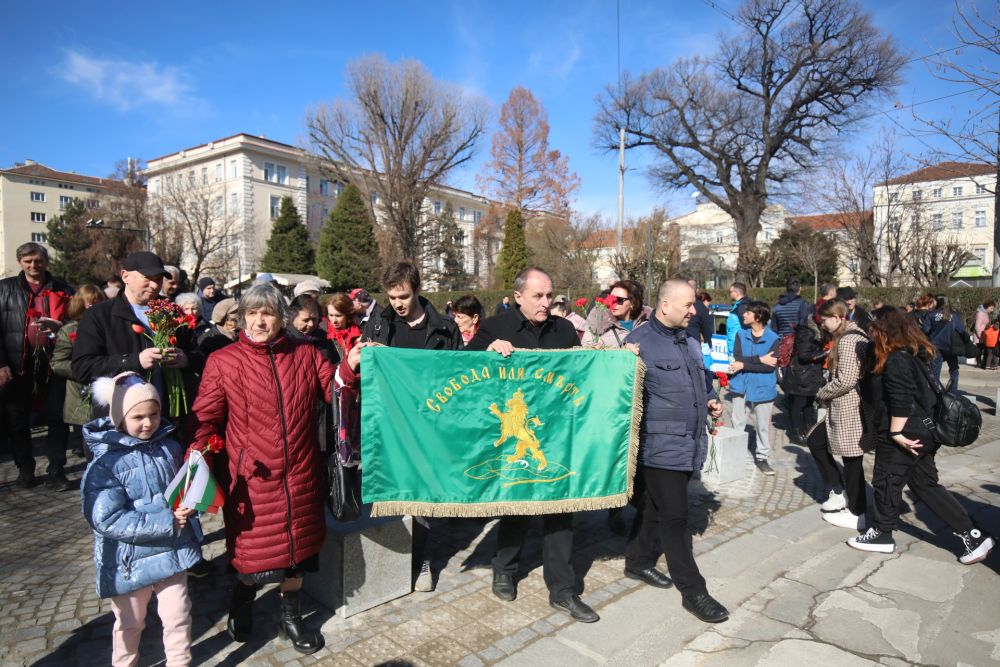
194	486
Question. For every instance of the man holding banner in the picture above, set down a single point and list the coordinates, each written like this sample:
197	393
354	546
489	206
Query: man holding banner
673	443
532	326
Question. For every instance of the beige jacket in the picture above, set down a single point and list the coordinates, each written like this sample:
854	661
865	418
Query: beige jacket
845	418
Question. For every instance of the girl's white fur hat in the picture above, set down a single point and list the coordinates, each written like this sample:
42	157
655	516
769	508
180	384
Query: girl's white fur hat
122	393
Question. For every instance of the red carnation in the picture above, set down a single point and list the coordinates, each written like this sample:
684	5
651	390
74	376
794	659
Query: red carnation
72	337
172	340
35	313
137	328
723	379
216	444
581	302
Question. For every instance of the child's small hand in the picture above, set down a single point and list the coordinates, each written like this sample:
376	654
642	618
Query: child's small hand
181	516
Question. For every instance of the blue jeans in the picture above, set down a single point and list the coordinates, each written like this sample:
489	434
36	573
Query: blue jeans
936	365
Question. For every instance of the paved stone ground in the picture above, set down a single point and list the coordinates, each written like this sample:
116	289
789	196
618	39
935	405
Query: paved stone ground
807	594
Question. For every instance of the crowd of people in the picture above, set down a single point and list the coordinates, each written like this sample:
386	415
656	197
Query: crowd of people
277	380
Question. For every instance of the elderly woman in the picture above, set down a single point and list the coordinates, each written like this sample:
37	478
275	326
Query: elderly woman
224	328
191	305
260	394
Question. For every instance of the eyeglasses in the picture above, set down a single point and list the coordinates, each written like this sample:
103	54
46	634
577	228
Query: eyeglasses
619	300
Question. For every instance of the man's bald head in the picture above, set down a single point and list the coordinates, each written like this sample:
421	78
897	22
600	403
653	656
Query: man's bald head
676	303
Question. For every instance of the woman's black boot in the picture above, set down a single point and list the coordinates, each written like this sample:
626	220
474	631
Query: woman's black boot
291	627
240	624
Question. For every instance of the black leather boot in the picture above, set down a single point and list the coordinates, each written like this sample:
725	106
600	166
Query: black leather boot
240	624
290	625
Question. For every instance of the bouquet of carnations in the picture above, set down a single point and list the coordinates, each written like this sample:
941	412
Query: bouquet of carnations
165	318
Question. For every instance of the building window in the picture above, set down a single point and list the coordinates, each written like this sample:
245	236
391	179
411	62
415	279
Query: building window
275	206
324	187
268	171
477	216
37	196
37	217
191	178
65	201
338	189
461	213
956	220
936	193
38	237
218	172
282	174
234	203
204	175
937	222
918	195
93	203
232	169
980	189
980	218
308	182
956	191
275	173
437	208
893	197
374	198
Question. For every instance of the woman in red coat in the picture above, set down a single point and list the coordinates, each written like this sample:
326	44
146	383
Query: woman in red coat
260	394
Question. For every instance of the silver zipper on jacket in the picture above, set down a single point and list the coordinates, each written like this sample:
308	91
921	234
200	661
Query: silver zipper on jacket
284	452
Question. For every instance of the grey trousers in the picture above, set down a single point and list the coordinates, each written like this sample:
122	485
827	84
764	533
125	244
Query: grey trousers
762	422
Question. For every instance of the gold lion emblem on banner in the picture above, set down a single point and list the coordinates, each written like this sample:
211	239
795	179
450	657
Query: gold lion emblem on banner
515	423
513	469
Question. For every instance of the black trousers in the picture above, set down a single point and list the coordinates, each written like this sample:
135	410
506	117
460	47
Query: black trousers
663	520
18	407
895	468
853	479
557	550
801	413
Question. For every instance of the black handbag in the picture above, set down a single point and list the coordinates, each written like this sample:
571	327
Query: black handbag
957	420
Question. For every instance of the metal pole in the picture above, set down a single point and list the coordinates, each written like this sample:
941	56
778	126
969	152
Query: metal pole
996	211
621	190
650	288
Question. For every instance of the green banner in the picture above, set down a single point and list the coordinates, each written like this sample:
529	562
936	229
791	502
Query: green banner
475	434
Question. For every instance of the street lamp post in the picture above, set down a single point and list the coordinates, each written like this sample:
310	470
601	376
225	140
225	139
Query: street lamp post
99	224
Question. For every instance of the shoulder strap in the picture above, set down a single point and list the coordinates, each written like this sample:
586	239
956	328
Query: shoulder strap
935	385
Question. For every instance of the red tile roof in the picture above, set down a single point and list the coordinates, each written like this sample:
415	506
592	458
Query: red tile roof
830	221
944	171
41	171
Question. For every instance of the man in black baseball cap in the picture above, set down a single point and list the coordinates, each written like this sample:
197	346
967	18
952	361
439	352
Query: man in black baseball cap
855	313
148	264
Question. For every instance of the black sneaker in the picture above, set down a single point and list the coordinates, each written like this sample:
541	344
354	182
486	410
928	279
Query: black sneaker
764	467
874	540
58	481
977	546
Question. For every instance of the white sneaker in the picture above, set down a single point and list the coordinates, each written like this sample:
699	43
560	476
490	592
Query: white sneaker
835	503
425	581
845	519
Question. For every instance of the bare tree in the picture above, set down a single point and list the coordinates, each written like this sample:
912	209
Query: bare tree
649	238
974	137
759	263
813	252
559	244
193	227
400	133
934	259
764	109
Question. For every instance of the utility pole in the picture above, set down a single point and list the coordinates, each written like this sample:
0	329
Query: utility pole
621	191
651	295
996	211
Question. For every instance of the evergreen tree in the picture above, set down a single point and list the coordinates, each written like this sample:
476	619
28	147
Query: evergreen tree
447	248
514	256
348	253
289	249
69	237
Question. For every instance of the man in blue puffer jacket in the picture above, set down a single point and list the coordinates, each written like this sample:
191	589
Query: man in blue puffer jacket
673	443
791	309
734	322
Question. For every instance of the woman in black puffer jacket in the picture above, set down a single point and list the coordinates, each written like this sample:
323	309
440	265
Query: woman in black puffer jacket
904	454
803	378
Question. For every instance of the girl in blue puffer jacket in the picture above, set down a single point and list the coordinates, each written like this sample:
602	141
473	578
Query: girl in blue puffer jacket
141	546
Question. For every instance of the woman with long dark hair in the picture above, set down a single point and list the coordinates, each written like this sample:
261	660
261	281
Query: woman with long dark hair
842	431
905	449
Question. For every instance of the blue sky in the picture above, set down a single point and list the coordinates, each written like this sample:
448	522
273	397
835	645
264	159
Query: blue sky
86	84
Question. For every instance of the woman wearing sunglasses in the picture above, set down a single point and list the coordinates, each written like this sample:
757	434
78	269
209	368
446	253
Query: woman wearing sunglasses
608	327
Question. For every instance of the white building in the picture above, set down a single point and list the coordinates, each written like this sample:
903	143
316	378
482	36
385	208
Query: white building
952	201
31	195
246	176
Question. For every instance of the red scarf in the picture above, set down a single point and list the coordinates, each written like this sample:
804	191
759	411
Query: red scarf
344	338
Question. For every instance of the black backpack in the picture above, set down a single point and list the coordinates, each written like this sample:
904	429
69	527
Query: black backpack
957	420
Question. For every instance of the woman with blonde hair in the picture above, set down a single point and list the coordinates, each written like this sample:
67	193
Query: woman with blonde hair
842	432
76	409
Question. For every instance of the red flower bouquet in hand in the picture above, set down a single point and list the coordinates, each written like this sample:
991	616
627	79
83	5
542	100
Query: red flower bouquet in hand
165	318
723	379
58	302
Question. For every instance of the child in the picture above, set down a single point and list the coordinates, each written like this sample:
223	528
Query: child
141	546
991	336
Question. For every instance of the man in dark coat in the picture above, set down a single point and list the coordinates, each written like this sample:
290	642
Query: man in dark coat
855	313
411	322
26	340
791	309
702	325
672	445
532	326
365	307
210	295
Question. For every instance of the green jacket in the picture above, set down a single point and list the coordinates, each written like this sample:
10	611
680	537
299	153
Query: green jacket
76	407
